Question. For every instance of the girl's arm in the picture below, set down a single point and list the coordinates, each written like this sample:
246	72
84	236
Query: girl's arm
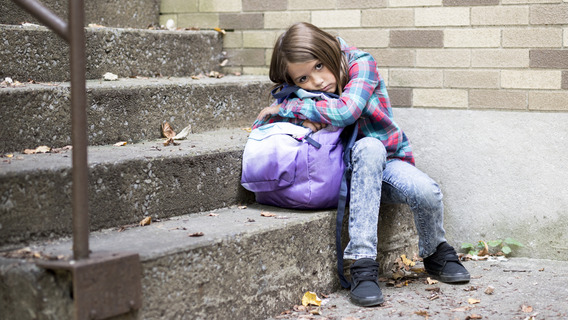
363	79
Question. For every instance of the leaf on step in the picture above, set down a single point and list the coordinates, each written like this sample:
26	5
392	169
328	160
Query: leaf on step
40	149
167	130
120	144
311	298
474	316
406	261
170	141
423	313
94	25
267	214
489	290
196	234
146	221
248	129
183	134
219	30
473	301
431	281
242	207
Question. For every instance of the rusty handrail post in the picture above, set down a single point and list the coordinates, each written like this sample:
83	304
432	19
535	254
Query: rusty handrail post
79	130
74	33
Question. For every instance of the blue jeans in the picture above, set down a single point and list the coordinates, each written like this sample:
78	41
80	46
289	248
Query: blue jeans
374	180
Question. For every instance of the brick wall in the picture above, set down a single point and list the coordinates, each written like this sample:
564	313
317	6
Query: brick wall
468	54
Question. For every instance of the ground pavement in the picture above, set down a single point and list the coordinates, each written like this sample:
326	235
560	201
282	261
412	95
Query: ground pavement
516	288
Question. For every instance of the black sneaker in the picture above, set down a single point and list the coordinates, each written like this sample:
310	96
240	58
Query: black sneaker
365	289
444	265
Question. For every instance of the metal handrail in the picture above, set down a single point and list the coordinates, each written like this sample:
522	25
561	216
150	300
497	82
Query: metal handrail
74	33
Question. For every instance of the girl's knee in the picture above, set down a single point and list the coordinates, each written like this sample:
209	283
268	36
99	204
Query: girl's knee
369	149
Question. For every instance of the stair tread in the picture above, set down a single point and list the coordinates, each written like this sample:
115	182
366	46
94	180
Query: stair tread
210	142
173	235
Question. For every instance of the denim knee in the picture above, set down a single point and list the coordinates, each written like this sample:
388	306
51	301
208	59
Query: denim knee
369	150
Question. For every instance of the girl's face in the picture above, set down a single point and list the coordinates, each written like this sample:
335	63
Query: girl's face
312	75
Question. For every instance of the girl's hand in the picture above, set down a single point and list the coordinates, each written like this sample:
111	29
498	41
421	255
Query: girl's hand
268	112
314	126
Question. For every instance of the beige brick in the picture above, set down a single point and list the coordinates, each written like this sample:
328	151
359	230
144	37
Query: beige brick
414	3
311	4
469	3
447	58
445	16
178	6
233	39
532	37
268	57
259	39
500	58
551	59
531	79
416	39
496	16
384	74
565	80
416	78
529	1
400	97
565	37
388	18
498	99
220	5
246	57
361	4
262	71
471	79
394	57
472	38
365	38
264	5
440	98
240	21
549	14
200	20
337	18
283	20
548	101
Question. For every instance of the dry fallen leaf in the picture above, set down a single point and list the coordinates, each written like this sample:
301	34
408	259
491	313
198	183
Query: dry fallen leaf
249	130
219	30
473	301
474	316
526	309
406	261
431	281
183	134
196	234
316	311
94	25
489	290
267	214
40	149
110	76
146	221
120	144
311	298
167	130
242	207
423	313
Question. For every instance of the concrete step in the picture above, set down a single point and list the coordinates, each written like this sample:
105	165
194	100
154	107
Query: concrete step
126	184
128	109
110	13
244	266
36	53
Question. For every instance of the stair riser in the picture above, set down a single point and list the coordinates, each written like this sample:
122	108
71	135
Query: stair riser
33	117
110	13
37	204
40	55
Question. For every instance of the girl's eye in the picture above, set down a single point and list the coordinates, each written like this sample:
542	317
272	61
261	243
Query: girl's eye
302	79
319	66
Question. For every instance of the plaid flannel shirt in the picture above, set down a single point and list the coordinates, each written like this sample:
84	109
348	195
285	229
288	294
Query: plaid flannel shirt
364	99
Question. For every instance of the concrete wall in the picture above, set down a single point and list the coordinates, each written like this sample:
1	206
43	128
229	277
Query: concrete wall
479	86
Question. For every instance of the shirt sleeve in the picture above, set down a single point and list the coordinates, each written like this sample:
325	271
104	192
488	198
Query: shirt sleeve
363	79
277	118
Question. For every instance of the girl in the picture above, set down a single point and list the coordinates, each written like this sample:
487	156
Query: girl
382	160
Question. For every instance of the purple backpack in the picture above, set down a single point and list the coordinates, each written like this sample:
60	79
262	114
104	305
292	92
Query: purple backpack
288	166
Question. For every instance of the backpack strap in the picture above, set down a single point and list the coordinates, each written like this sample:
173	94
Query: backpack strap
343	193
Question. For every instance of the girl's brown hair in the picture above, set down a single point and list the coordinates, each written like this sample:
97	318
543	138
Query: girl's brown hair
304	42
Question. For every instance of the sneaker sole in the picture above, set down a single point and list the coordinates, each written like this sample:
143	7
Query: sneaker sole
459	278
367	302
